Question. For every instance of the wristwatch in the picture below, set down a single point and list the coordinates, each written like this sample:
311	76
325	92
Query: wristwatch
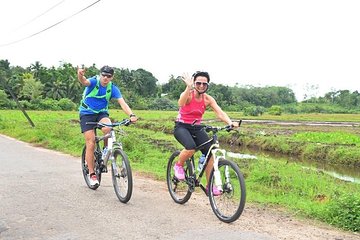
132	115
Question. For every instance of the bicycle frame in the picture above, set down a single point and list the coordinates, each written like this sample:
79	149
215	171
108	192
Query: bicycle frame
112	143
217	153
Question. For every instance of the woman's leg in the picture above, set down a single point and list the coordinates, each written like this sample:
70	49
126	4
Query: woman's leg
184	137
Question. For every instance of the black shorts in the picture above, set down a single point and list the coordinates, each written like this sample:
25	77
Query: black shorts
191	136
91	118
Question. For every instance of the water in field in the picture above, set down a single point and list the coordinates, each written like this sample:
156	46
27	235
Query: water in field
351	174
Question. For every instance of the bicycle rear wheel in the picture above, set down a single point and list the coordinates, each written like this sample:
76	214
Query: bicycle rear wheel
121	176
179	190
85	170
230	204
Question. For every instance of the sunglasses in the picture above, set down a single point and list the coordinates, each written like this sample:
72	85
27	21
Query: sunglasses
106	75
198	84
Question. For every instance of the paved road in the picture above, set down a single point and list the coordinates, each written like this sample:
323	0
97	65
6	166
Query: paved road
43	196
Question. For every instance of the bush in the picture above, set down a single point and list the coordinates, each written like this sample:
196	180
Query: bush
26	105
163	104
66	104
253	111
4	101
49	104
275	110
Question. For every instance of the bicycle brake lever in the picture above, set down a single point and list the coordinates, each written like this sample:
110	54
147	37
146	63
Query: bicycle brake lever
128	122
208	129
229	128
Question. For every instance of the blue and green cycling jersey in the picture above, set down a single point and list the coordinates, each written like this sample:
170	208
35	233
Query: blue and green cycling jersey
96	97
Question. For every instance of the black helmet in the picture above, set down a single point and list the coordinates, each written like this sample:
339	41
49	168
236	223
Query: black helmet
202	74
107	69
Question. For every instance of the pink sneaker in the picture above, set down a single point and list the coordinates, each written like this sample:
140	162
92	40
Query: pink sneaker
216	191
179	172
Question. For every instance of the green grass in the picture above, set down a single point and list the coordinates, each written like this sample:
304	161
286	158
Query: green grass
305	191
341	138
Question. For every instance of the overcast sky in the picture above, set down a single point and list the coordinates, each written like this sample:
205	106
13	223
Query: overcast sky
311	46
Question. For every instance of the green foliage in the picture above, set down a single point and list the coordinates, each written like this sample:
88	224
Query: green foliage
265	96
140	87
253	111
163	103
341	138
4	102
275	110
173	88
310	107
290	108
49	104
32	89
344	211
66	104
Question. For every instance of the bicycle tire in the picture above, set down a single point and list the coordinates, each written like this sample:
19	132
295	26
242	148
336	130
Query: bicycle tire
179	190
85	170
121	176
230	204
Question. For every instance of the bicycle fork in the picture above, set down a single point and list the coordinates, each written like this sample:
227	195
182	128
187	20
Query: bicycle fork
219	153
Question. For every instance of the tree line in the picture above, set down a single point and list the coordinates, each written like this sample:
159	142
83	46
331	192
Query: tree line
56	88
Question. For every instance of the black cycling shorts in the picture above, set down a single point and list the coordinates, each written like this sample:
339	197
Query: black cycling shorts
191	136
91	118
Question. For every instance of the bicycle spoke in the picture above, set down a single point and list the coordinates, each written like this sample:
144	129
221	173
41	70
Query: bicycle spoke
229	205
121	175
179	190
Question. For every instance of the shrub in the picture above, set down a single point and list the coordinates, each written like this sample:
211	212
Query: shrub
4	101
275	110
163	104
253	111
49	104
66	104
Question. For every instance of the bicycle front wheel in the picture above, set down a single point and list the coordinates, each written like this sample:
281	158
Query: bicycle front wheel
121	176
85	170
179	190
230	204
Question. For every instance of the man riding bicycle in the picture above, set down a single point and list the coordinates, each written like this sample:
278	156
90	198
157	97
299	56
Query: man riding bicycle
94	108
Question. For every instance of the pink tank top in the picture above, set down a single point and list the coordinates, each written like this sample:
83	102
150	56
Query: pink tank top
192	111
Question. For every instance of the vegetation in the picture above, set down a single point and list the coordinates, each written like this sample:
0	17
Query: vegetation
270	182
40	88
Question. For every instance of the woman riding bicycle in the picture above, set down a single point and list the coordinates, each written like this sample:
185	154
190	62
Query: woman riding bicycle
94	108
193	102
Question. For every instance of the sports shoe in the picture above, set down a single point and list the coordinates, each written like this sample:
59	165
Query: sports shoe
179	172
93	180
216	191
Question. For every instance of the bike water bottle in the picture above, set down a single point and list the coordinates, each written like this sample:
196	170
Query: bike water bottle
104	153
201	162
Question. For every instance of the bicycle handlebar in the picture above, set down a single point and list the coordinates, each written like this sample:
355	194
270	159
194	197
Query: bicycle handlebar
228	128
125	122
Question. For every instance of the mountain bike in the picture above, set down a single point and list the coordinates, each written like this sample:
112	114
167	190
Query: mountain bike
225	175
120	165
